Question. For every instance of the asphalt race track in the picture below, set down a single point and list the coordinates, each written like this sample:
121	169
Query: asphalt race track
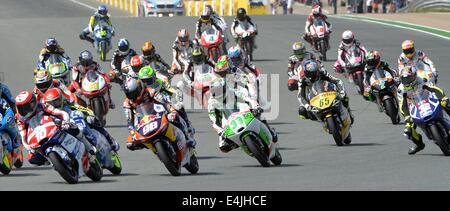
376	160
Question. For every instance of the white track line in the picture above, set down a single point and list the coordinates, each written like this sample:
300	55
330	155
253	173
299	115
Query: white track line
84	5
392	25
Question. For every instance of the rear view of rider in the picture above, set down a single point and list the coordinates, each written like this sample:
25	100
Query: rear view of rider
310	72
413	85
316	14
348	42
27	107
299	55
51	47
100	15
373	62
137	94
222	90
242	17
410	56
181	44
86	63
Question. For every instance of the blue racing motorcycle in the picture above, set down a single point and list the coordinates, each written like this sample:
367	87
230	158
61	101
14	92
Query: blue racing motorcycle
427	113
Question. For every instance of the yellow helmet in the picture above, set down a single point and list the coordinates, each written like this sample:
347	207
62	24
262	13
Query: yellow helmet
408	48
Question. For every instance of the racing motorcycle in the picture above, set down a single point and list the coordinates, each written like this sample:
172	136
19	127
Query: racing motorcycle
7	134
203	76
108	158
102	39
213	41
252	136
59	67
424	71
183	61
67	154
384	89
94	94
329	109
320	35
154	131
427	113
246	34
355	64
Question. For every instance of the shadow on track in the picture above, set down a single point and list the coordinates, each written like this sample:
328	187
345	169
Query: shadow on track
287	148
265	60
86	181
121	175
272	166
281	123
34	168
364	144
12	174
116	126
186	174
209	157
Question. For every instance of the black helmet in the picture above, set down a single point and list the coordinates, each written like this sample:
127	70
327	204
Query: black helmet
198	56
241	14
311	70
86	58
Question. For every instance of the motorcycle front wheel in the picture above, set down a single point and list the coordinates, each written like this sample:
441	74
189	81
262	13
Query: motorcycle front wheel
257	150
391	110
334	130
439	139
166	159
70	174
323	50
102	51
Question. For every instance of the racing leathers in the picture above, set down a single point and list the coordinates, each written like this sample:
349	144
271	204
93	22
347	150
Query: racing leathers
229	95
148	96
78	74
157	62
181	56
5	94
237	22
342	51
93	21
309	22
304	87
44	54
410	128
173	95
418	57
293	64
23	123
56	84
368	95
117	73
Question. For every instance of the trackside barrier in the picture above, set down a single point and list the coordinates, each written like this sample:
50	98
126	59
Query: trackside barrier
224	7
130	6
420	5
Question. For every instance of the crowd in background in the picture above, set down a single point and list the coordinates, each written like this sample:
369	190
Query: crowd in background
353	6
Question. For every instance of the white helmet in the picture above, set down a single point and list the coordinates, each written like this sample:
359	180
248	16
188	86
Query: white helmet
348	38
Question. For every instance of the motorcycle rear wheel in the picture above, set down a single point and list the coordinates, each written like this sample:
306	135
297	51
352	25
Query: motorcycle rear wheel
97	107
391	110
95	172
277	159
5	169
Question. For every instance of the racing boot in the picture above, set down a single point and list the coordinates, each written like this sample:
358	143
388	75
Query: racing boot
114	145
411	133
17	152
90	148
37	159
224	146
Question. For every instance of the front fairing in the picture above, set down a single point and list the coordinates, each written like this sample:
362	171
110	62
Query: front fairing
424	107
